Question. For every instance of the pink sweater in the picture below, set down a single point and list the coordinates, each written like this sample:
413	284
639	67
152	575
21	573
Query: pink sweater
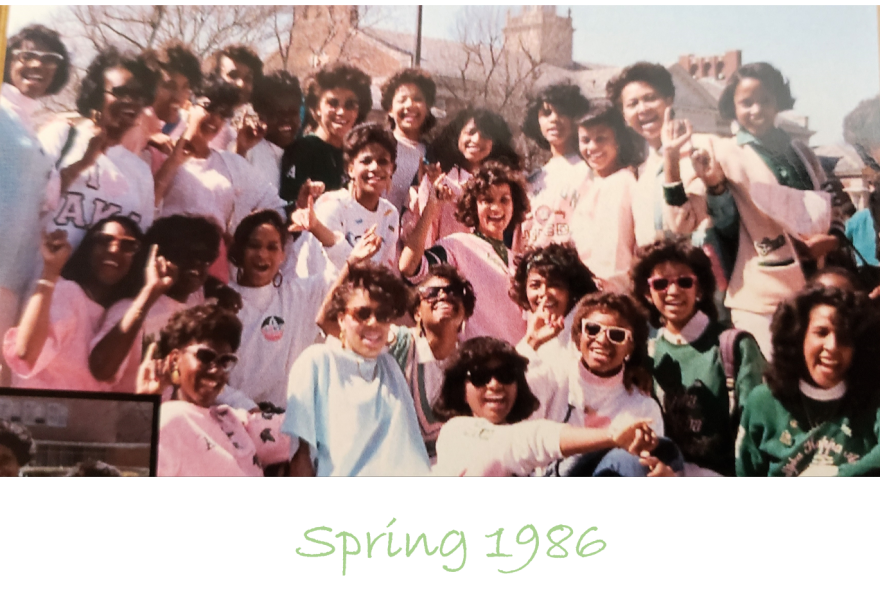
495	313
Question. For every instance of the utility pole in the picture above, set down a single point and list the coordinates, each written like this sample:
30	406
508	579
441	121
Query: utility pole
418	58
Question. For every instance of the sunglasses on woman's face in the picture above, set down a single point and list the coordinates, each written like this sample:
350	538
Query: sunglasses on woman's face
125	244
207	357
363	314
432	293
129	92
616	335
480	376
349	105
661	284
49	58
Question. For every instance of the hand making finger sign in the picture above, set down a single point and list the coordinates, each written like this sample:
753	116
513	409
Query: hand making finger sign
55	250
707	168
366	247
676	132
160	273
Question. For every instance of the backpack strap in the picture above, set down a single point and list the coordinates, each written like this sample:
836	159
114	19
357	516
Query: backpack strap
728	343
68	143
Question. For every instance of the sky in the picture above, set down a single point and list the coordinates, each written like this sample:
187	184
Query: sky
830	54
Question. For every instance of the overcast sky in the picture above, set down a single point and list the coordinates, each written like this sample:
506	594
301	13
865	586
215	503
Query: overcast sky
830	54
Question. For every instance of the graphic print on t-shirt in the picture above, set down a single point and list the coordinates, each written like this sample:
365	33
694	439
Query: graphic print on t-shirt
272	328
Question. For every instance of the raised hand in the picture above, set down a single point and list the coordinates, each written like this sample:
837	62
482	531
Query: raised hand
543	326
151	375
304	219
707	168
55	250
366	247
160	273
249	135
309	190
675	132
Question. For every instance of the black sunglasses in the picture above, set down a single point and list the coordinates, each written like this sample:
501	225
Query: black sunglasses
433	293
481	375
659	284
363	314
208	357
125	244
133	93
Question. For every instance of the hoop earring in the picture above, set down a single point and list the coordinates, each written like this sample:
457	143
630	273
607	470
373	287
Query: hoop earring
278	279
462	327
175	376
342	338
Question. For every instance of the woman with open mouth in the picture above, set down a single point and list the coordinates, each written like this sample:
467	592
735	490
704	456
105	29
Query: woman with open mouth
819	412
37	65
485	404
99	176
199	436
493	202
348	402
474	137
548	284
53	345
553	189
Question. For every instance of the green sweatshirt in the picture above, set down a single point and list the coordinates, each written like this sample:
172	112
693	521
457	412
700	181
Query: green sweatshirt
813	438
690	385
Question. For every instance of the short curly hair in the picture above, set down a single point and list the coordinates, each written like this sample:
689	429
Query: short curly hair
768	75
218	93
241	54
631	150
449	273
857	325
655	75
203	323
411	76
682	251
636	371
93	468
276	85
367	134
491	174
481	351
445	150
91	91
52	41
560	265
378	281
566	98
176	57
251	222
179	236
338	76
18	440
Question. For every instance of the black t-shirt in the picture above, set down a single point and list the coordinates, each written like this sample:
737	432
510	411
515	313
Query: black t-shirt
310	157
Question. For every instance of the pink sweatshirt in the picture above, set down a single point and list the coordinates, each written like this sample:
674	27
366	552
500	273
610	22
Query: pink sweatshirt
445	223
495	313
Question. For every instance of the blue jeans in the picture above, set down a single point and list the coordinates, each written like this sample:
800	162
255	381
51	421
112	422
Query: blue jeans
616	463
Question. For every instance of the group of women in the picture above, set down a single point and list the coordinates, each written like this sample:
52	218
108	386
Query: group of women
352	298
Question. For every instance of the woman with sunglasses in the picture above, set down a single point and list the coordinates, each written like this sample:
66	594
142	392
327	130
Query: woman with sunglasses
348	402
548	283
198	437
819	412
99	176
53	344
673	280
606	385
485	403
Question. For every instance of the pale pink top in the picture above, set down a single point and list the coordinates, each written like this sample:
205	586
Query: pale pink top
603	229
218	441
63	364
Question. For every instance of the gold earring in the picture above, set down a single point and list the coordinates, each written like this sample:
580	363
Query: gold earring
175	376
342	338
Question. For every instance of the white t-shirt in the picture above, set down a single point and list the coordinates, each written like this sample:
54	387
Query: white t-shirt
553	194
119	183
265	157
409	154
477	447
342	214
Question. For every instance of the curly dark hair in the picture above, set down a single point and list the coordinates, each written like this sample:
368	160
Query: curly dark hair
18	440
492	173
857	325
219	93
241	54
247	226
341	76
566	98
631	148
769	76
367	134
91	90
79	268
682	251
378	281
93	468
198	324
655	75
276	85
449	273
444	149
50	39
636	372
560	266
411	76
181	236
176	57
851	278
476	352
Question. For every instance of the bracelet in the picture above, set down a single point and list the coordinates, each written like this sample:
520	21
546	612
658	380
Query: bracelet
46	282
